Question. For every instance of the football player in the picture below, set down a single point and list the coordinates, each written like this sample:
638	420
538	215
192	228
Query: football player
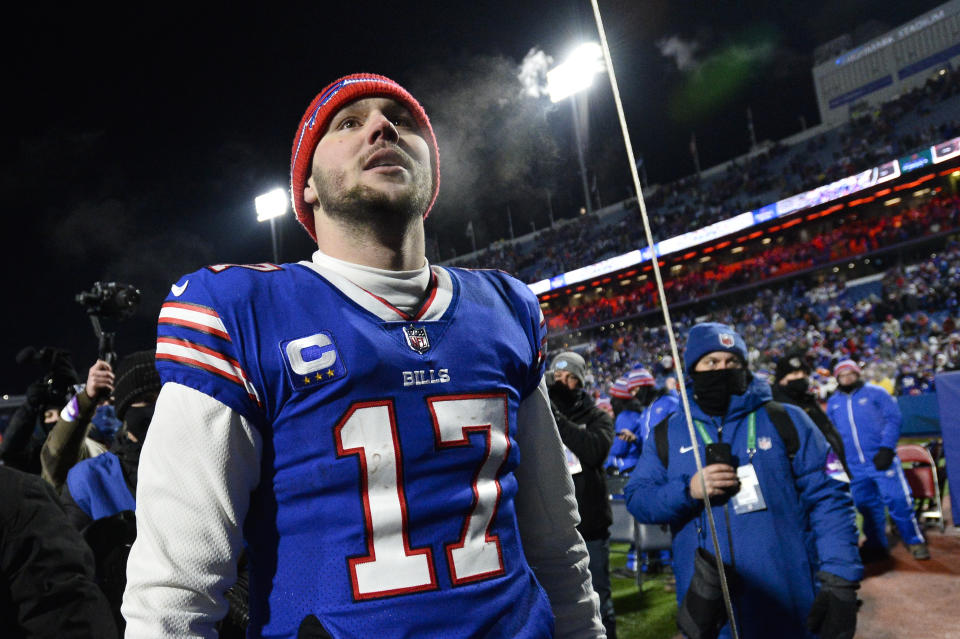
374	430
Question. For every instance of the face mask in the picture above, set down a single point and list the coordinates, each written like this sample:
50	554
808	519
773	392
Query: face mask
562	395
797	389
849	388
137	419
644	394
713	389
105	423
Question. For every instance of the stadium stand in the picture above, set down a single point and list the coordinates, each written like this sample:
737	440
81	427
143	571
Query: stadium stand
905	330
874	278
915	120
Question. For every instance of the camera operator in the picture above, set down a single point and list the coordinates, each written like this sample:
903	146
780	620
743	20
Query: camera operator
99	495
764	471
79	434
30	424
587	432
107	484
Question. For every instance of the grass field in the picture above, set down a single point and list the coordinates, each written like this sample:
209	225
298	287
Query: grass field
650	613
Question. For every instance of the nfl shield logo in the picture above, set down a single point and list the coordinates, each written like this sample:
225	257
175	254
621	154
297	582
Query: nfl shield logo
764	443
726	340
417	338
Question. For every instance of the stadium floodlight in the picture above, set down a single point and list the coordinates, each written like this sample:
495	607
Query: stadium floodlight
270	206
572	76
576	73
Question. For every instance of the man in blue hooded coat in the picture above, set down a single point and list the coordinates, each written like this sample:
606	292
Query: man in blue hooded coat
785	527
869	421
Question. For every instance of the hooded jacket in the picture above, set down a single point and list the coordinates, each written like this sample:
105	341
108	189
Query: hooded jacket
102	486
808	523
868	419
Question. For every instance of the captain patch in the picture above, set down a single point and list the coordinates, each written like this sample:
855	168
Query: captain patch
312	361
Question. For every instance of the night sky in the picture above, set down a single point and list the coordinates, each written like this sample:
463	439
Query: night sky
135	139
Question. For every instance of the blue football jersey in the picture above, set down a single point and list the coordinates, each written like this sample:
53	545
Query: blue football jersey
386	501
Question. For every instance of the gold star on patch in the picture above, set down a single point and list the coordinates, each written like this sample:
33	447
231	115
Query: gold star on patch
306	380
319	377
329	372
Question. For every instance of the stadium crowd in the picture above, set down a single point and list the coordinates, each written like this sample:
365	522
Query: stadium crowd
800	249
916	120
904	333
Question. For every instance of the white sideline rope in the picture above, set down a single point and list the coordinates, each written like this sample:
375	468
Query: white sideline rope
666	318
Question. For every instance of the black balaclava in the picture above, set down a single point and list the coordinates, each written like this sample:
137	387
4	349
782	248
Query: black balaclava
562	395
713	389
797	389
137	420
645	395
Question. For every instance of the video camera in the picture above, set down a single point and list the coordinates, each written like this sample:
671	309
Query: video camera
59	374
108	300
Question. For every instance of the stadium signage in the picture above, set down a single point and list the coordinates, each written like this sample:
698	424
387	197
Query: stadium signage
945	150
836	190
916	161
706	234
886	40
885	172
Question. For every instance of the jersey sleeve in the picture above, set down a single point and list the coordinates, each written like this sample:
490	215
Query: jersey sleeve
534	324
547	518
197	346
199	466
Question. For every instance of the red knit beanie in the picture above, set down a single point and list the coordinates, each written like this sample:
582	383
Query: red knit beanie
317	117
846	365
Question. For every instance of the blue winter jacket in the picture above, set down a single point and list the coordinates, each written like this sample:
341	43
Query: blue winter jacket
808	524
623	455
661	408
868	419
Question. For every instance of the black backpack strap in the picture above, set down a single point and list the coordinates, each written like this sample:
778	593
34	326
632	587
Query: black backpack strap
785	427
660	438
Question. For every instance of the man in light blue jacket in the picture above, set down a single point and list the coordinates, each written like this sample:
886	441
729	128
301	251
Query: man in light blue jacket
869	419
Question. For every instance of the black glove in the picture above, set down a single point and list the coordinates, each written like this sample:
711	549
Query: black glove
834	611
883	458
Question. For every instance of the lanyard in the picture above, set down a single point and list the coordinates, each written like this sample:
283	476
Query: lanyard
751	433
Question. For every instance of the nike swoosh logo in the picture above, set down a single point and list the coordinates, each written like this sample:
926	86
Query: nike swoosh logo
685	449
178	290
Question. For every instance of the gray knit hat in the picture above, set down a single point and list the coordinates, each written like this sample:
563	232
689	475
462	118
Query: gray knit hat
572	363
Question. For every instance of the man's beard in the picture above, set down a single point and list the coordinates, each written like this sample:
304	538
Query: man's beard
365	207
